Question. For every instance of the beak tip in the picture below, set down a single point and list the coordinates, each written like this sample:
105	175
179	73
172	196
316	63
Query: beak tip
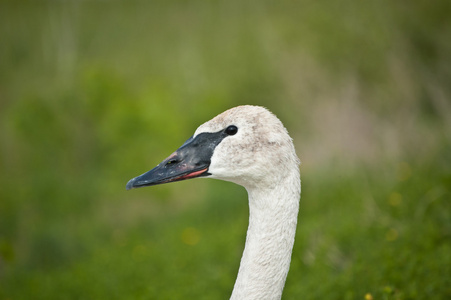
130	184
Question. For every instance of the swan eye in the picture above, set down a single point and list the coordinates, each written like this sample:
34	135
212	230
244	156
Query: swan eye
231	130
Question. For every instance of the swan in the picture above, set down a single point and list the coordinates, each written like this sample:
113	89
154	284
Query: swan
247	145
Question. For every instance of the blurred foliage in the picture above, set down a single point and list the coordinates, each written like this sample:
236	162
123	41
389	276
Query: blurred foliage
93	93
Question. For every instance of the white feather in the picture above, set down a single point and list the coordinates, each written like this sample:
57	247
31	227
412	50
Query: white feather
261	157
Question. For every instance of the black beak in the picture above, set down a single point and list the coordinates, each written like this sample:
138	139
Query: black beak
191	160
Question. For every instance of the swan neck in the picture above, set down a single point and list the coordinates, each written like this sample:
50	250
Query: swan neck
269	242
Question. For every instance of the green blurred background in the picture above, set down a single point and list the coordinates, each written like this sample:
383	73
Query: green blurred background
93	93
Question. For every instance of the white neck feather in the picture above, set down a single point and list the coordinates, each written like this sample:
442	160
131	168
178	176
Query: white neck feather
270	237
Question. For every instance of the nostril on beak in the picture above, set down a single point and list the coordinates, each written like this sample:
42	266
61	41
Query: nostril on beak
172	161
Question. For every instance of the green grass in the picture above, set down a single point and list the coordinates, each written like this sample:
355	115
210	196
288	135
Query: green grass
354	237
95	93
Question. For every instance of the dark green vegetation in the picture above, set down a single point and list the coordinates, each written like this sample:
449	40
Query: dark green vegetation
93	93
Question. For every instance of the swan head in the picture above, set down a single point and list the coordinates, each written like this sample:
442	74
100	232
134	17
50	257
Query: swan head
247	145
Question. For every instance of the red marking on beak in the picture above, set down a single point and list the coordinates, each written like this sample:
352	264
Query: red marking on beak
193	174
